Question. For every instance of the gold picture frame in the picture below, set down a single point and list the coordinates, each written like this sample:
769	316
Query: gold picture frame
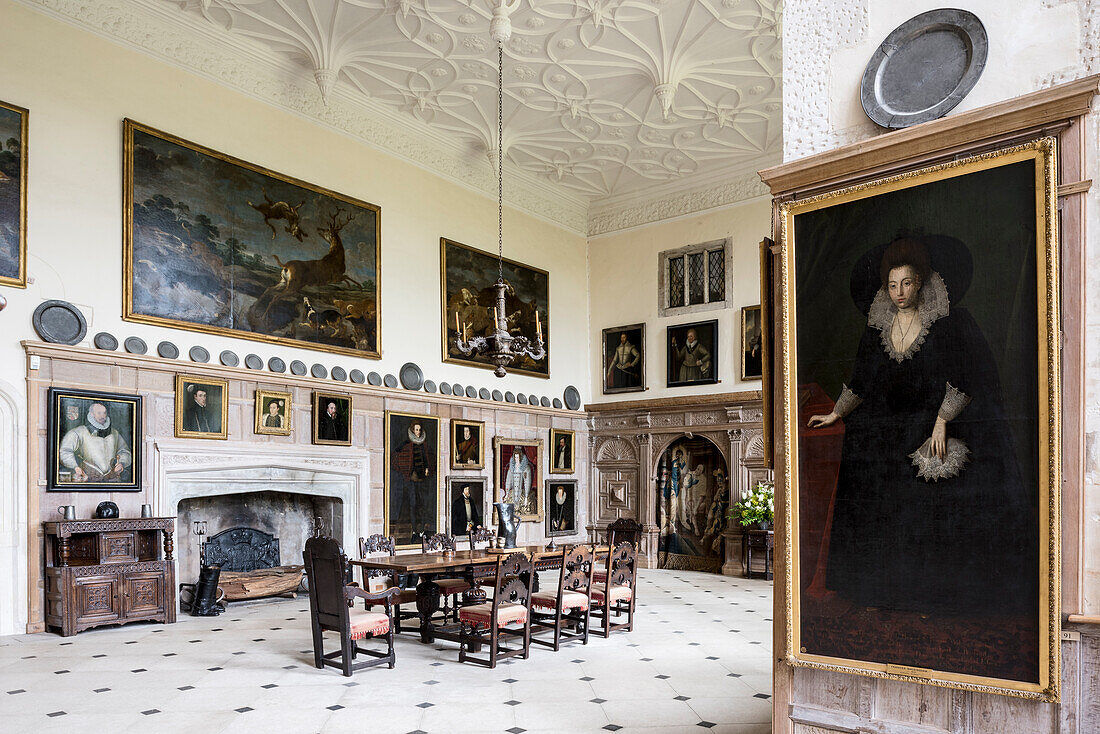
19	280
529	508
331	418
466	453
752	318
477	313
202	407
279	237
562	464
399	467
277	423
1032	167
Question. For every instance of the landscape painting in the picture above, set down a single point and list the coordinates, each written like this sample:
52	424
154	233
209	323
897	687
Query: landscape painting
469	299
13	195
219	245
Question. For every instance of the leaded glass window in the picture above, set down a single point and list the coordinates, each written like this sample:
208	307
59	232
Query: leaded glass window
716	275
697	275
676	281
694	277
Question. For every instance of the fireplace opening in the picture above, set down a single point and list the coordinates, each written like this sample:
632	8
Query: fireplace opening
250	531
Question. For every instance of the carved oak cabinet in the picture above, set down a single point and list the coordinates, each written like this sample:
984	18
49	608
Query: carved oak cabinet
102	572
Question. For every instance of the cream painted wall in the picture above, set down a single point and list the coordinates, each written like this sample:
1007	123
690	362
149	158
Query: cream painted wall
79	87
1033	44
623	271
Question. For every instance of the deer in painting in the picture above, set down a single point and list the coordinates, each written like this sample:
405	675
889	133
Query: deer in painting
275	210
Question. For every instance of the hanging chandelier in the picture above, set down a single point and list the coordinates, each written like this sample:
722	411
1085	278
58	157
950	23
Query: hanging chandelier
501	346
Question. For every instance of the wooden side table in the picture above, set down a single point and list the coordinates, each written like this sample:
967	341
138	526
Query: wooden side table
758	541
110	571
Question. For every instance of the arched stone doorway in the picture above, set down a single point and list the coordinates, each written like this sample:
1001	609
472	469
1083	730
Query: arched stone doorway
693	496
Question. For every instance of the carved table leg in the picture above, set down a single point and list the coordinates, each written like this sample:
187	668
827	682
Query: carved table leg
64	545
169	545
427	604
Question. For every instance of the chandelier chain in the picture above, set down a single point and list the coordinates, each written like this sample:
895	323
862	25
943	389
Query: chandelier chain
500	159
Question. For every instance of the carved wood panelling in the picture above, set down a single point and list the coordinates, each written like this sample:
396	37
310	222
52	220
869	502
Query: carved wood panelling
617	494
615	449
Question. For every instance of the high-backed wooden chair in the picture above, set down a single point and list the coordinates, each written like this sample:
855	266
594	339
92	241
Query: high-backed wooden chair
622	529
482	535
449	588
568	607
331	607
616	594
508	615
377	579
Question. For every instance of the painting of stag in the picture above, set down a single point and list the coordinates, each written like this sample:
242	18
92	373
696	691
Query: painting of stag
220	245
468	275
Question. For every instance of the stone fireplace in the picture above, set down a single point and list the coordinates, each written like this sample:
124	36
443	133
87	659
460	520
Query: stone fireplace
278	493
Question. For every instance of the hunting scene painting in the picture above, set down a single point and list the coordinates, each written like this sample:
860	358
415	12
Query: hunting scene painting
469	301
219	245
924	491
13	195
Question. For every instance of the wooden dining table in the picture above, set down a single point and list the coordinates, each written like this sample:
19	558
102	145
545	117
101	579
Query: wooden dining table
471	565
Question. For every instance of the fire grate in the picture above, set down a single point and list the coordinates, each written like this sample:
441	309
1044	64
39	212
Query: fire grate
242	549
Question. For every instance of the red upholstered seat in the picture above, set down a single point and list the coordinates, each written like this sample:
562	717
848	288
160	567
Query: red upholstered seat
452	586
364	623
599	576
618	593
569	600
480	615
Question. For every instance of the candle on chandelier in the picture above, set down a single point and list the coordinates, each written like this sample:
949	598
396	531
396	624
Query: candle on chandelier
496	319
538	325
457	328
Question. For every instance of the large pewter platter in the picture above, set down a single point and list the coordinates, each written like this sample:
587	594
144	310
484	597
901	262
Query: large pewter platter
924	68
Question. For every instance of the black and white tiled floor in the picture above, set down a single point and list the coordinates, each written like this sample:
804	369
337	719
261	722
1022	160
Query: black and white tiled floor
698	660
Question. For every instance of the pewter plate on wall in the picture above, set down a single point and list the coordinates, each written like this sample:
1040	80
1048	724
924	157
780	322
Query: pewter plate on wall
59	322
298	367
924	68
199	354
358	377
106	341
168	350
412	377
135	345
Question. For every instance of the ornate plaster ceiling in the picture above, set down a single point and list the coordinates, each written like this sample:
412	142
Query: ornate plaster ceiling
605	98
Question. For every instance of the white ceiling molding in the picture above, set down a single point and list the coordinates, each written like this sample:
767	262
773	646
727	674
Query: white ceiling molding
134	23
607	102
635	213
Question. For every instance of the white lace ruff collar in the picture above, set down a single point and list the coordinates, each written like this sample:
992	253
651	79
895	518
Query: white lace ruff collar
934	305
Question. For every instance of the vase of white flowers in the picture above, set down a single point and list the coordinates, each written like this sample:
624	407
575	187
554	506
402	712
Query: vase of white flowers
757	508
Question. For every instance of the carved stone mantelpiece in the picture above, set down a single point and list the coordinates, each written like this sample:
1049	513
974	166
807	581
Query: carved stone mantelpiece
625	465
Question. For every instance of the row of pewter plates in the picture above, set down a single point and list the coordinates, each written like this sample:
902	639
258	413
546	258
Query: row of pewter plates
412	377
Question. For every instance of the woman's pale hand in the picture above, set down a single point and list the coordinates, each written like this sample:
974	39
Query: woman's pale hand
939	438
821	421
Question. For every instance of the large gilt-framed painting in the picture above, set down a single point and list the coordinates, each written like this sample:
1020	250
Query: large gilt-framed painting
919	347
215	244
412	478
13	195
94	441
518	475
469	300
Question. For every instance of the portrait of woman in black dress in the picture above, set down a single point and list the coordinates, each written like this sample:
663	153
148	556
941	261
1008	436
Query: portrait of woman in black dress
930	509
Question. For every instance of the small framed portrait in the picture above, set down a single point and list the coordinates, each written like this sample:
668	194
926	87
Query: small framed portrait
202	407
94	441
412	482
561	501
466	500
624	359
692	354
273	412
752	351
562	444
518	475
331	419
467	444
